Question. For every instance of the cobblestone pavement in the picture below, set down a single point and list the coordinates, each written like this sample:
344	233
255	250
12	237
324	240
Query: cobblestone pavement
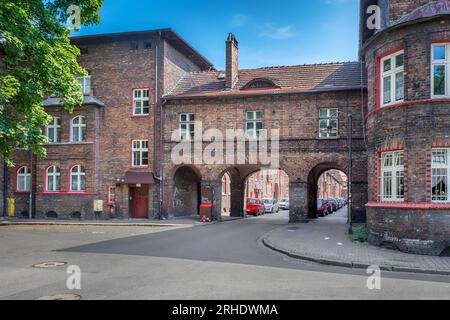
325	240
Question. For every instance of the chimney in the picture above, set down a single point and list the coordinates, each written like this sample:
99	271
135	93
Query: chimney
232	71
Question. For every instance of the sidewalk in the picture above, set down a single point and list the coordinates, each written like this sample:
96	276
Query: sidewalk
188	221
325	241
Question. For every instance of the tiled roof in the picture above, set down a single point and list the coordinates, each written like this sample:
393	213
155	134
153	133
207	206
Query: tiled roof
304	78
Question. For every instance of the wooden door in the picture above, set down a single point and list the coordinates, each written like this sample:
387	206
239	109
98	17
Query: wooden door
139	202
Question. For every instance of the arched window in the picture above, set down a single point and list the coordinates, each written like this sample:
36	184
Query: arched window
53	181
24	179
78	133
78	179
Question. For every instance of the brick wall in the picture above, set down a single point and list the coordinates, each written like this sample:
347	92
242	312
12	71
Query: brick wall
301	152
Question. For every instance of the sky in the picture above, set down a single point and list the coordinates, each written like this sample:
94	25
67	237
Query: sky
270	32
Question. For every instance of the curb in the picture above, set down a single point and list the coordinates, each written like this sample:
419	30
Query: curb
94	224
348	264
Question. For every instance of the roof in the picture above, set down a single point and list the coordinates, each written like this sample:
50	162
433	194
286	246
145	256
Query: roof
431	9
87	100
168	34
287	79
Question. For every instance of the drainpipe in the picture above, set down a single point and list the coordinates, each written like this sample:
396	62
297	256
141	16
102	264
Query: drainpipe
30	205
5	187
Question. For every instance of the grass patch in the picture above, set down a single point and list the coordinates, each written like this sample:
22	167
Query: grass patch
360	234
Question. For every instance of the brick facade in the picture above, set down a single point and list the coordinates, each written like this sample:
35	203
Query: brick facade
414	126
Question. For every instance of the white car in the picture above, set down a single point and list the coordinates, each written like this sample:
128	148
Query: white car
271	205
284	204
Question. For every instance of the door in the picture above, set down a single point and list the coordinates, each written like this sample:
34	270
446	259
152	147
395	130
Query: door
139	202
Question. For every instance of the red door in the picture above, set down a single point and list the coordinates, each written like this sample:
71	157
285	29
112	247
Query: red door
139	202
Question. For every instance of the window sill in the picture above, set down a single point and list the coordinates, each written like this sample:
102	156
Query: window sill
330	138
140	116
407	104
408	205
67	193
21	192
67	143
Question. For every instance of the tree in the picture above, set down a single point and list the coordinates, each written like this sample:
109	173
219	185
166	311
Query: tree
37	60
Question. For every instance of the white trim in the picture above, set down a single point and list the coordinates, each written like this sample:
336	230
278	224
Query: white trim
328	118
254	121
392	75
26	175
141	149
81	172
444	63
445	166
189	123
54	126
394	169
56	175
141	99
79	127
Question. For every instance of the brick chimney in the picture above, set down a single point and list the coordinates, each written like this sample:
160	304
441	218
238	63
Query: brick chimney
232	66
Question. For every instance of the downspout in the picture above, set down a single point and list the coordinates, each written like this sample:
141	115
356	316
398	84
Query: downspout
5	187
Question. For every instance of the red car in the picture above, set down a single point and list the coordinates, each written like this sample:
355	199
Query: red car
323	208
255	207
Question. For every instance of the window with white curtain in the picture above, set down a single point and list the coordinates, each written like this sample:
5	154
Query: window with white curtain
392	176
24	179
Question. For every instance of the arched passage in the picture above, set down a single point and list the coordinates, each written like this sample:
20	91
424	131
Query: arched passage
333	180
186	192
232	193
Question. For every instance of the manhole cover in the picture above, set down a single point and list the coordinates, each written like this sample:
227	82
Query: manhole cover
51	264
65	296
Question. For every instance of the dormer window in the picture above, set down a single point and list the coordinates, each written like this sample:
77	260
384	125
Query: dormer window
260	84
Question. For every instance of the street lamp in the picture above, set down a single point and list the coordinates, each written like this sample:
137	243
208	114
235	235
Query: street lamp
330	129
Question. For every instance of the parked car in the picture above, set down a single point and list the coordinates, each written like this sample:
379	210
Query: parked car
324	208
284	204
271	206
255	207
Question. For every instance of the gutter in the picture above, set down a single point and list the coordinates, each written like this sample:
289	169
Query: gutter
272	93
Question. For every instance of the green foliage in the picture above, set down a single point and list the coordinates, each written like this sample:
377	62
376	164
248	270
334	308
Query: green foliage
37	61
360	233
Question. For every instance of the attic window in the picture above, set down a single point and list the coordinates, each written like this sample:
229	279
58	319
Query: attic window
260	84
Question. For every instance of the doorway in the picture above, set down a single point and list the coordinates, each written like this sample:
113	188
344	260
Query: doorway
139	202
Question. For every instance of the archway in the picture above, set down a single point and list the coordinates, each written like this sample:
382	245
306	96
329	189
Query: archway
269	186
186	192
326	182
231	193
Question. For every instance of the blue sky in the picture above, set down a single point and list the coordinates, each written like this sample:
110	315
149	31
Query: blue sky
270	33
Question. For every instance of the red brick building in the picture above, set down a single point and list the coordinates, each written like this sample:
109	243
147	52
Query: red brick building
106	150
408	124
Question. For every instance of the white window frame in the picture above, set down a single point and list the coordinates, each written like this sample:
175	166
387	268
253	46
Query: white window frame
110	201
140	97
140	147
396	171
187	127
54	126
393	77
440	166
254	120
85	83
328	118
55	186
80	174
444	63
80	127
26	176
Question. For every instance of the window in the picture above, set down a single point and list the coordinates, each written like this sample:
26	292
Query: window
187	126
392	79
141	102
112	195
440	175
53	131
134	46
259	84
147	45
78	179
392	176
140	153
78	133
328	123
85	83
254	124
24	179
53	176
439	77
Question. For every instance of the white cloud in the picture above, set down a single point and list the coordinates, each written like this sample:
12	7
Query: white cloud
239	19
278	33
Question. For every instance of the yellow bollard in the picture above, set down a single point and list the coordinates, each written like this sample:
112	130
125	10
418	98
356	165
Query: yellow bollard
11	207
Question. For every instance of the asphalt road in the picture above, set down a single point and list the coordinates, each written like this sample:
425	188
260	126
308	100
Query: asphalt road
220	261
